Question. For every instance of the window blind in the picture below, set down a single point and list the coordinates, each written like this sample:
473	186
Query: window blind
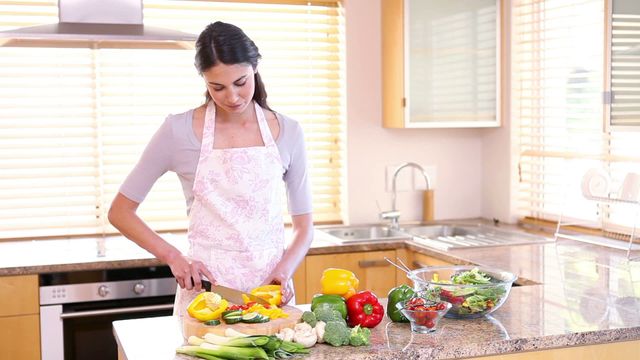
74	121
560	120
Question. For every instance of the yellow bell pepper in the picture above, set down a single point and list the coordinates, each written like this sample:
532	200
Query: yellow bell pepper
199	309
271	293
339	282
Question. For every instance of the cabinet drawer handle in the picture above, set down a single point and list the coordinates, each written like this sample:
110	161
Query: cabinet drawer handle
372	263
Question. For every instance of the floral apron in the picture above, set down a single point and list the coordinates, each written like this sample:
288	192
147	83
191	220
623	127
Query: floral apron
236	226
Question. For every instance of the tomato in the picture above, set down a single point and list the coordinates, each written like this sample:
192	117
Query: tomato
455	300
430	324
421	317
416	301
441	306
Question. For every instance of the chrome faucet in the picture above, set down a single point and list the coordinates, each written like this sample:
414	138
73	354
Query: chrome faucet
393	215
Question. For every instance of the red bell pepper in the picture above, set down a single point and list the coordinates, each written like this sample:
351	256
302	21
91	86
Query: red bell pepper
364	309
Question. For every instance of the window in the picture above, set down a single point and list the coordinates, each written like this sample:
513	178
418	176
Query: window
561	123
73	121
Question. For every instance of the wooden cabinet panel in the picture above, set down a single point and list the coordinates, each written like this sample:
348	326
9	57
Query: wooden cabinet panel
299	283
422	260
372	270
20	337
19	295
406	257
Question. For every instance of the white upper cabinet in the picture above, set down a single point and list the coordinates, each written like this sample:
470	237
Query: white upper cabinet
441	63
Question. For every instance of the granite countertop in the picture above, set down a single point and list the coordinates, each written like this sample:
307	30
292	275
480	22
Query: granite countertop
523	323
576	294
60	255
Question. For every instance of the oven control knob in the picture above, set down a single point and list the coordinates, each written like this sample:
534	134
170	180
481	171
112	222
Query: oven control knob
138	288
103	290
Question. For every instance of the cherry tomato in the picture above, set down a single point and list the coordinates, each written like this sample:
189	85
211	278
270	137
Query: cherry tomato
416	301
429	323
441	306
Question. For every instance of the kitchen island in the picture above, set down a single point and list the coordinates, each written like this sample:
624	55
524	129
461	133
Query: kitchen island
526	322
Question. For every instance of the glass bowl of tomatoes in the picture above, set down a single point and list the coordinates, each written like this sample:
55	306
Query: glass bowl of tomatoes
423	313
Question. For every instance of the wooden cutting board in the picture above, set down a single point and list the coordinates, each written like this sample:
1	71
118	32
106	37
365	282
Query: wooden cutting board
191	326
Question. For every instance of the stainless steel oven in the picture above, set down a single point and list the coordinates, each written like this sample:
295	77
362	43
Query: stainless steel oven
77	308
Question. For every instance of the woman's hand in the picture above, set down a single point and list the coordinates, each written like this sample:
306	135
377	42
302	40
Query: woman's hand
189	272
278	278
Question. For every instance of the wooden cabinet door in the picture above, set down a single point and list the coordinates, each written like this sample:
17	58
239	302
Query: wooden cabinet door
299	283
422	260
20	337
19	317
19	295
374	273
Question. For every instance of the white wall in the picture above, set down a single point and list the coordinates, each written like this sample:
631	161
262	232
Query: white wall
457	154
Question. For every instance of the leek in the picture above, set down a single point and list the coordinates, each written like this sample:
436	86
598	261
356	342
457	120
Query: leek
229	332
238	341
194	340
214	352
293	348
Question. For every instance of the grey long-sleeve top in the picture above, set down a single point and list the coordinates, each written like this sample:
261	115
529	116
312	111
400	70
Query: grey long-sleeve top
174	147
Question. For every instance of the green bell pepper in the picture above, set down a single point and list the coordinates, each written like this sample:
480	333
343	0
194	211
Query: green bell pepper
335	301
397	295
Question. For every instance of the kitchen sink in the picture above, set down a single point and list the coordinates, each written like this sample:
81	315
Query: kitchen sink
351	234
442	237
432	231
465	236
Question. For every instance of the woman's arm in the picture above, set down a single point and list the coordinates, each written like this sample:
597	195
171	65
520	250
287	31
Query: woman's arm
123	216
293	255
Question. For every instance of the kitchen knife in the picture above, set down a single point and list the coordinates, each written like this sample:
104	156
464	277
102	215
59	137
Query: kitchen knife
233	295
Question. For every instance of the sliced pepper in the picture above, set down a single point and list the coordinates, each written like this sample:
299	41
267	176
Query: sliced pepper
199	309
364	310
339	282
271	293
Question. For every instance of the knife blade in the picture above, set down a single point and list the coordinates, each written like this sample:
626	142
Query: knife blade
233	295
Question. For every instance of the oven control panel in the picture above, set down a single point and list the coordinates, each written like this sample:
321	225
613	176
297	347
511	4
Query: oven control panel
112	290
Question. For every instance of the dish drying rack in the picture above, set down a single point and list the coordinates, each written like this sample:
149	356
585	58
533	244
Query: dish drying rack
615	239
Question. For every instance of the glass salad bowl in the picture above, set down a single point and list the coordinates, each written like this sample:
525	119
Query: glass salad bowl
473	291
424	317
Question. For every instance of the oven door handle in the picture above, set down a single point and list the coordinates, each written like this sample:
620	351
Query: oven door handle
81	314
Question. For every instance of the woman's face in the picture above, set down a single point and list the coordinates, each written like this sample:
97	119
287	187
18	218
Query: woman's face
231	86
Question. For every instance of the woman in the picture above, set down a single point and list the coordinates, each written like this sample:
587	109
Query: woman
231	155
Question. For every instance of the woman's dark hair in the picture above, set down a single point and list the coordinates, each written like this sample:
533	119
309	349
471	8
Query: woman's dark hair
228	44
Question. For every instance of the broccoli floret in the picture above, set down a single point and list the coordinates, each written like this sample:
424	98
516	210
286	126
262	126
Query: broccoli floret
336	333
327	314
359	336
309	318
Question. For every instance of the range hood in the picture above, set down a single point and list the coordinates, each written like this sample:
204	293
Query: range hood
95	22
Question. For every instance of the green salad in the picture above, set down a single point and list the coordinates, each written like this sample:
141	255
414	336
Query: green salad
471	299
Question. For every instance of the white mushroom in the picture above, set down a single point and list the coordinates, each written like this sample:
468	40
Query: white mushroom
302	327
285	334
